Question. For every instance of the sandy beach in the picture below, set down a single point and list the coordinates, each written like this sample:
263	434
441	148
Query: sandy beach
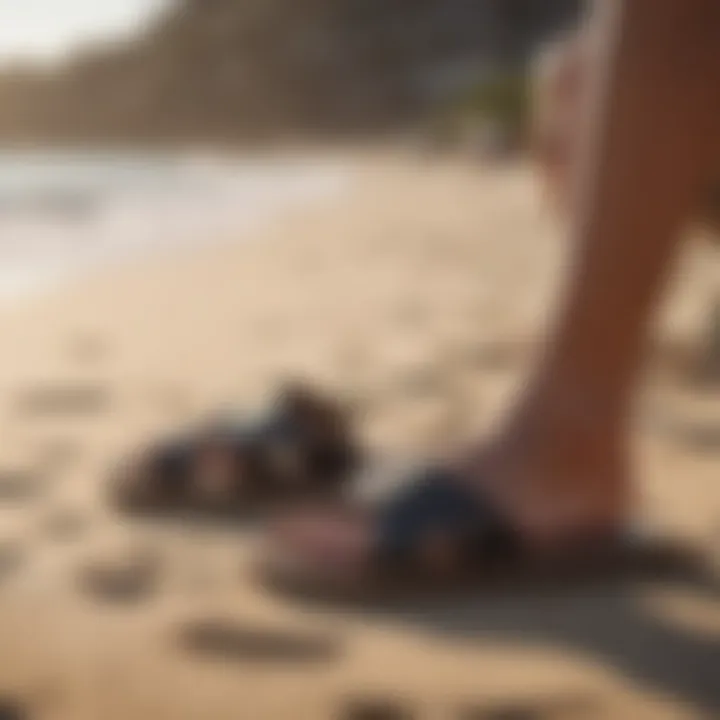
419	295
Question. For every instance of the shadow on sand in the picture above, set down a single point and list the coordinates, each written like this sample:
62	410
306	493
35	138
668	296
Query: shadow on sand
608	622
238	642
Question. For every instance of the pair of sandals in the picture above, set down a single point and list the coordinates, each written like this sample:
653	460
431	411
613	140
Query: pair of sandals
433	534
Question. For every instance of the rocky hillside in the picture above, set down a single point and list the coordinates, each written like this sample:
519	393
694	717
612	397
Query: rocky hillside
236	68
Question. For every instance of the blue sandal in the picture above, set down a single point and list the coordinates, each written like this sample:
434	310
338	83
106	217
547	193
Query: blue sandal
436	535
300	449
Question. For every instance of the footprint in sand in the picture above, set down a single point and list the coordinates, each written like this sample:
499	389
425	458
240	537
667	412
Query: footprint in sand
21	485
63	399
572	707
124	576
230	640
64	524
12	557
375	708
699	437
503	712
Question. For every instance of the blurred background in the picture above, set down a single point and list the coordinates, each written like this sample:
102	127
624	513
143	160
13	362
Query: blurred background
104	106
201	200
222	70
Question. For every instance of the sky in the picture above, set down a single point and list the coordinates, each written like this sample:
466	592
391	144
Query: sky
45	29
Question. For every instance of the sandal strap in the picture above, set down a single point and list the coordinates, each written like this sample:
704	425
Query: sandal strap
169	465
437	512
274	451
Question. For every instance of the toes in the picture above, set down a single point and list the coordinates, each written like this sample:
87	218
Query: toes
320	542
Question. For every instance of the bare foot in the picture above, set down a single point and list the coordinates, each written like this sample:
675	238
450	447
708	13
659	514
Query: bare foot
555	475
559	467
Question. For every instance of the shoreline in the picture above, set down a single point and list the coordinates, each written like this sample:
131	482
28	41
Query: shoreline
48	252
418	293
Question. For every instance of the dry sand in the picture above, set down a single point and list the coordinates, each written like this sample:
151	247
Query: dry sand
417	295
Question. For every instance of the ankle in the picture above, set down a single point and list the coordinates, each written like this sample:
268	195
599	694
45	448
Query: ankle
559	464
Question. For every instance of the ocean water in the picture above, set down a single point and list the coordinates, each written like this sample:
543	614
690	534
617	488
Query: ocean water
67	213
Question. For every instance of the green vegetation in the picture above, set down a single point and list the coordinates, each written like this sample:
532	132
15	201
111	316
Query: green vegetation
503	100
501	103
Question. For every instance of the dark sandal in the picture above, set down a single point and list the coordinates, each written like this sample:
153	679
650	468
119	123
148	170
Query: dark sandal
437	536
301	449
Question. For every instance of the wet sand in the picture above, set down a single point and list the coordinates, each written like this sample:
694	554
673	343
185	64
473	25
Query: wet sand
419	296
